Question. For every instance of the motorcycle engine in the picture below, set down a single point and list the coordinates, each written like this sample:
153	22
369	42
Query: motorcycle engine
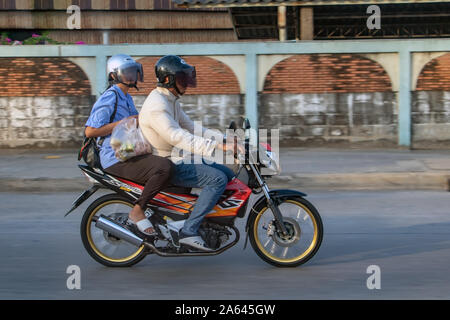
214	235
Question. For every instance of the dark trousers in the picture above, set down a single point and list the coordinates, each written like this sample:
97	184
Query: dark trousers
153	172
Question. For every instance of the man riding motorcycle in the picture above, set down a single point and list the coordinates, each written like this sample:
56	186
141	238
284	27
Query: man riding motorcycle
166	126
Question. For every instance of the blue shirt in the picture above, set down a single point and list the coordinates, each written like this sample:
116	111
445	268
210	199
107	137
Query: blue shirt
101	113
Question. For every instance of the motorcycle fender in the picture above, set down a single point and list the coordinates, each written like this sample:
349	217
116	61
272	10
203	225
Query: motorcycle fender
274	194
83	197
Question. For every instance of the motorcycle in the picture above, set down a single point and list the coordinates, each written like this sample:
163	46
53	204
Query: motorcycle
284	229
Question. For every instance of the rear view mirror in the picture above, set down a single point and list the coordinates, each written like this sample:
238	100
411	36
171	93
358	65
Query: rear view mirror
246	124
232	125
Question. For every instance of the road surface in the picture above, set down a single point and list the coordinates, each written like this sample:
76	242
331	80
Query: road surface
406	234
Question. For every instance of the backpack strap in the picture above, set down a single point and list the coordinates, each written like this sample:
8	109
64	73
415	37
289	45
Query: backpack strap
115	108
111	119
92	142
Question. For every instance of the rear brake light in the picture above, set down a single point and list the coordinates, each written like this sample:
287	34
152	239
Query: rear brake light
90	179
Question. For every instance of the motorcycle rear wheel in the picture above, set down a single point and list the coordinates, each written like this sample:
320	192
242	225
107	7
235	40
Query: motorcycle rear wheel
305	233
100	245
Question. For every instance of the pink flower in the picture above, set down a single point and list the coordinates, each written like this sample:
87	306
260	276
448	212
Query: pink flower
34	35
80	42
8	40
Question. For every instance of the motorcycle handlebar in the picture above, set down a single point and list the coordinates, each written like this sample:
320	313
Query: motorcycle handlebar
241	157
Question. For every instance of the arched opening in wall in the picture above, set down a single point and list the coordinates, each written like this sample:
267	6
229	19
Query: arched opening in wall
215	101
324	99
44	102
42	77
431	105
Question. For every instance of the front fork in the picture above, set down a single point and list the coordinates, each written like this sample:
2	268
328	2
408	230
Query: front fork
272	205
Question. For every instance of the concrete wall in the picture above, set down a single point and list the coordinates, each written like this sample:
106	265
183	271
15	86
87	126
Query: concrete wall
368	119
42	122
352	119
431	119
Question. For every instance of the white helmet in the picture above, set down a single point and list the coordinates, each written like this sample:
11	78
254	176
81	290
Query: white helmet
125	70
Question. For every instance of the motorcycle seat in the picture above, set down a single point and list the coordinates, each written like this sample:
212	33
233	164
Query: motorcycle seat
170	188
177	189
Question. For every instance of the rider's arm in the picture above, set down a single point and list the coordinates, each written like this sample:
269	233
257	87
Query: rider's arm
105	130
92	132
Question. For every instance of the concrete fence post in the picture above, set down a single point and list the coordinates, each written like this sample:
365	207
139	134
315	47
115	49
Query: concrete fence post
404	99
100	75
251	91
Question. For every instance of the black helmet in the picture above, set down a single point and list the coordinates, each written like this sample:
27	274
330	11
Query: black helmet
175	68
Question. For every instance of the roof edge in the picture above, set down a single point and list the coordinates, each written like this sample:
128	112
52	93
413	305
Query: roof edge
277	3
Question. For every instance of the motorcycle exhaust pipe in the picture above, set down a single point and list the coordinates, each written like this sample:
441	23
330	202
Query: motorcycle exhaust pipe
118	231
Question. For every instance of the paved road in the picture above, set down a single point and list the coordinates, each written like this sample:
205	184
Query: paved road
405	233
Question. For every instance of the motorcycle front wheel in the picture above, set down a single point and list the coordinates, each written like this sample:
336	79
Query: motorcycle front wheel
102	246
302	241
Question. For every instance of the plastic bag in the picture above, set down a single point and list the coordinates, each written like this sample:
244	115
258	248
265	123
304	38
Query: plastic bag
127	140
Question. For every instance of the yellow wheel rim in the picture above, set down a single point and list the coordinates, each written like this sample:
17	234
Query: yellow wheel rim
91	242
304	253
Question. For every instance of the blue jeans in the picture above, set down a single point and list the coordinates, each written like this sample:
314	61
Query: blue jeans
212	178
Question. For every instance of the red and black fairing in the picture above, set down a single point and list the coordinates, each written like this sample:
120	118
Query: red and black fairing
177	202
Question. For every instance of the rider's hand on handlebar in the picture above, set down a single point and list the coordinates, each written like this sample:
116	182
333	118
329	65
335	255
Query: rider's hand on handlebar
236	148
239	148
227	147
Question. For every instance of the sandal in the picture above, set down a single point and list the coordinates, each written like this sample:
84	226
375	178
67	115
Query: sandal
143	225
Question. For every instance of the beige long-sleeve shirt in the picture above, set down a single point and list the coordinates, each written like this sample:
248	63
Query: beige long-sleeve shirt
169	129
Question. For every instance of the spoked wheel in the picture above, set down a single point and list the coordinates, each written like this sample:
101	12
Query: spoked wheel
102	246
303	238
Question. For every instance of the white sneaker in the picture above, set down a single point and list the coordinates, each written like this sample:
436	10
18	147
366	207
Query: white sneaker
195	242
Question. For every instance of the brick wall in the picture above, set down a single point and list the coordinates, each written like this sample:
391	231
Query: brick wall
435	76
317	73
213	77
31	77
